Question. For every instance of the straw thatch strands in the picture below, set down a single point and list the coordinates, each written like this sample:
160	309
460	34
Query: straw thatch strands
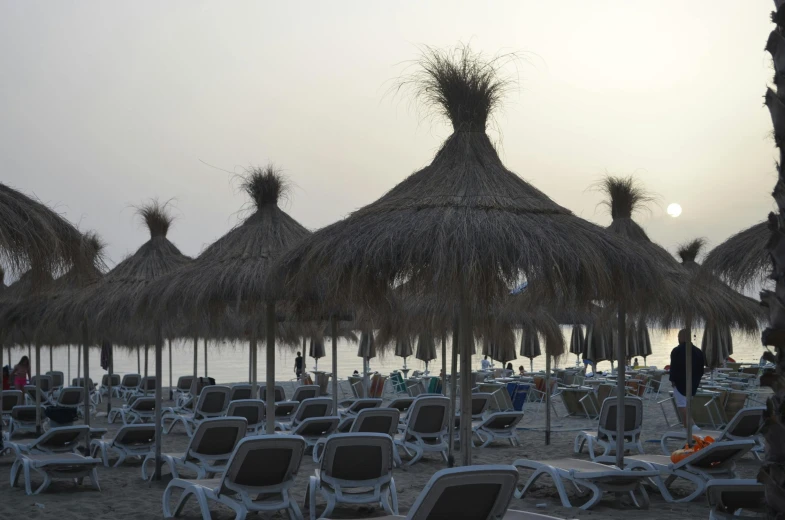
742	260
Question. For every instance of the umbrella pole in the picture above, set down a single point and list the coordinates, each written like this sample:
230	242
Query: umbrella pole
78	361
453	392
444	363
251	349
194	384
50	359
334	334
69	361
621	349
466	381
270	326
205	357
547	399
171	395
159	347
1	387
138	361
86	358
146	349
688	354
37	390
111	371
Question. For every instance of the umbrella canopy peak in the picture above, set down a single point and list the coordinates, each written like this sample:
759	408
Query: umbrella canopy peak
626	196
689	251
265	185
156	217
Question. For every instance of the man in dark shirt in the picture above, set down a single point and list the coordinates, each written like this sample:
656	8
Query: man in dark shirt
678	373
298	365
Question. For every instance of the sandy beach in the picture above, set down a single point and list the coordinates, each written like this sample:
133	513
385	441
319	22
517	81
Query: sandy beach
124	495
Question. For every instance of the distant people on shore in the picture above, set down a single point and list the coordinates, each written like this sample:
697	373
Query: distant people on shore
485	364
21	373
299	365
521	371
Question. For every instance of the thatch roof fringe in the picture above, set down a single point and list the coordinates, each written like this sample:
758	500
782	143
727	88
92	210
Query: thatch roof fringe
156	217
626	196
742	260
689	251
265	185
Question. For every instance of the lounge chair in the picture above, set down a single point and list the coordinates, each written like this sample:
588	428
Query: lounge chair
30	396
280	394
356	468
212	402
586	476
240	392
285	409
47	384
718	460
142	409
182	392
361	404
133	440
731	499
314	429
498	426
22	420
370	420
9	399
208	452
58	380
426	428
73	397
605	436
746	424
65	439
146	387
60	465
402	404
104	391
314	407
257	479
129	384
303	392
252	410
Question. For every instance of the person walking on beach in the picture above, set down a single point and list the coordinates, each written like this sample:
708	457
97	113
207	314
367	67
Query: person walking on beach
678	373
21	373
299	366
485	364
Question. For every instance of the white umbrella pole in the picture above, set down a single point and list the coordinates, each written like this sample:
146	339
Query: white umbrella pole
334	334
51	364
688	395
111	371
453	391
138	361
146	358
171	395
466	380
69	361
270	325
621	349
86	341
159	347
547	399
205	357
37	389
444	363
194	384
78	361
251	351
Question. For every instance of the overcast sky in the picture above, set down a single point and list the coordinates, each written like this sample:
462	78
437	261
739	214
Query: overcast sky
106	104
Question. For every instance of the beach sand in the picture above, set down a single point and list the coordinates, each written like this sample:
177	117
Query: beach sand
125	496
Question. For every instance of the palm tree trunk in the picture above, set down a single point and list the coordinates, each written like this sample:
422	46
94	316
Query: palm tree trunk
772	474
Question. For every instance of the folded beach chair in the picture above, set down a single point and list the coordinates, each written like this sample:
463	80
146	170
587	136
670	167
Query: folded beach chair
314	407
60	465
746	424
314	429
22	420
303	392
499	425
132	440
361	404
426	428
129	384
252	410
718	460
141	409
370	420
605	436
280	394
9	399
257	479
587	477
212	402
356	468
182	392
208	452
64	439
736	498
240	392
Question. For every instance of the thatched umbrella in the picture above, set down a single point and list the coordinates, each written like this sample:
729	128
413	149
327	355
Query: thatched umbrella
742	260
530	347
234	271
403	348
576	341
464	226
426	349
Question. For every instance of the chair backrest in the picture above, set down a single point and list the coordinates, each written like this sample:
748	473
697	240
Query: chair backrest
213	401
303	392
705	410
476	492
71	396
730	495
633	416
31	391
734	402
217	437
284	409
480	403
317	426
58	378
184	383
746	423
135	435
114	377
10	399
147	385
280	394
428	416
357	459
718	455
364	404
46	383
604	391
402	404
377	420
265	464
80	381
314	407
24	413
240	392
131	380
61	440
143	404
503	420
253	410
377	385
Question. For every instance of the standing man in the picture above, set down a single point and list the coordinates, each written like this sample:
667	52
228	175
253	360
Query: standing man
678	374
485	364
298	365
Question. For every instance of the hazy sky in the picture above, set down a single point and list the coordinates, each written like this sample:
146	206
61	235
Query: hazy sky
106	104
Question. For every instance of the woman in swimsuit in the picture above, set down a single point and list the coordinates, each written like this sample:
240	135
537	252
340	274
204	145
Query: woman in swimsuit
21	373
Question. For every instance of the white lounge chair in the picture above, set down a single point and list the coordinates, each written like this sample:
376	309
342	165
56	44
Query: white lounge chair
212	402
304	392
129	385
356	468
314	429
240	392
104	390
284	410
141	409
605	436
257	479
280	394
746	424
314	407
736	498
9	399
60	465
498	426
73	397
253	410
402	404
146	388
357	405
209	450
22	420
182	392
586	476
426	428
718	460
133	440
64	439
371	420
58	380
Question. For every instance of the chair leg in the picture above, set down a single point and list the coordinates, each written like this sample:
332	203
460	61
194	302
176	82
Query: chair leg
596	494
312	483
393	497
